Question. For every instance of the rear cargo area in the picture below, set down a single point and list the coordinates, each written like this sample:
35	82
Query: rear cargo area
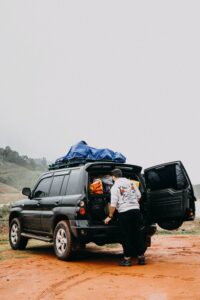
99	198
99	195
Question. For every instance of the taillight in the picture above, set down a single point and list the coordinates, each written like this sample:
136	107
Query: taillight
82	208
82	211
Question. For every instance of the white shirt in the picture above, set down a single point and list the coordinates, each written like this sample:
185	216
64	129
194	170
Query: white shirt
123	196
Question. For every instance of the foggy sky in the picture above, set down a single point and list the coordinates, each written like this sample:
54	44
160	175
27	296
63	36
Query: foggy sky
118	74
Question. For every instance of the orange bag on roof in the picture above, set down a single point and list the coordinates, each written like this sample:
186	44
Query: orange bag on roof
96	187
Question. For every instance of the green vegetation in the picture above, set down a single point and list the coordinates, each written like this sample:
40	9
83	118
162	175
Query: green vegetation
9	155
4	211
19	171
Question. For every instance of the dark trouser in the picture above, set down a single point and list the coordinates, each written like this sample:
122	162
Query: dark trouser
130	228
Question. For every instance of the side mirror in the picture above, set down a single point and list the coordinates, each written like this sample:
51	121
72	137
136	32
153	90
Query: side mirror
26	191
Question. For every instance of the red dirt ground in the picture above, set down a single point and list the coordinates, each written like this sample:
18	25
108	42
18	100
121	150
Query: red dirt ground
172	272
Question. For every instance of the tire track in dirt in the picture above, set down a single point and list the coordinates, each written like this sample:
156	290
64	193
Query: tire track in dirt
57	288
52	289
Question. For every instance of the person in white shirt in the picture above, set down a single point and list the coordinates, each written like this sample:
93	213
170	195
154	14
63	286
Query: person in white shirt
125	198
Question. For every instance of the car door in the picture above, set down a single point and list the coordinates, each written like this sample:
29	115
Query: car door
51	204
31	215
169	195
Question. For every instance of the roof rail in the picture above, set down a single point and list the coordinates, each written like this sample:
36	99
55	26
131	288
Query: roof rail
65	164
73	163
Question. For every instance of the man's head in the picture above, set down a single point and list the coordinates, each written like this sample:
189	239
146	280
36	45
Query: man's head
116	173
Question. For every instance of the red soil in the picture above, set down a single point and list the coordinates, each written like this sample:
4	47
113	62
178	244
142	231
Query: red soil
172	272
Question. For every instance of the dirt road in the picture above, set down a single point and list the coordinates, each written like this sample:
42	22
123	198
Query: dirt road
172	272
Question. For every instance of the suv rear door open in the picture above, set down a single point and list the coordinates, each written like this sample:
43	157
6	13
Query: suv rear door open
169	197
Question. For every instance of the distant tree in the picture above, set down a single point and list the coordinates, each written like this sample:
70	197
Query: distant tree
7	152
9	155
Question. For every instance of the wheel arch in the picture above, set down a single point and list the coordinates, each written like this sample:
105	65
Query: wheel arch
13	215
57	219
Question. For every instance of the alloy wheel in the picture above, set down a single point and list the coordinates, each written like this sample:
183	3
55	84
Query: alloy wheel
61	241
14	233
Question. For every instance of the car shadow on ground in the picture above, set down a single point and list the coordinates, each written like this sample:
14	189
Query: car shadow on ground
90	253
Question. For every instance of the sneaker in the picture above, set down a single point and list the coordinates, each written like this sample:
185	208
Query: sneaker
141	260
125	263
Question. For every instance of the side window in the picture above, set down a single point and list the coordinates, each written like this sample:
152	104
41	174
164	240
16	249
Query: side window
56	186
74	187
64	185
42	189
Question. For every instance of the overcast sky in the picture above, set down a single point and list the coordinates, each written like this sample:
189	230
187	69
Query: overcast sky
118	74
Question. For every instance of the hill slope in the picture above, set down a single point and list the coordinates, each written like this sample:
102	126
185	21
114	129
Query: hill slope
9	194
17	176
16	172
13	178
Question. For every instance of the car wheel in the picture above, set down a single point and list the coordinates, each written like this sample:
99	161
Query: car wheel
170	225
16	240
62	240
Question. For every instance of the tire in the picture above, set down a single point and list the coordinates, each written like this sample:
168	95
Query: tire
171	225
62	240
17	242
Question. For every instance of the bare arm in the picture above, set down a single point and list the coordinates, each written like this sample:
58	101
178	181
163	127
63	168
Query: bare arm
113	204
111	213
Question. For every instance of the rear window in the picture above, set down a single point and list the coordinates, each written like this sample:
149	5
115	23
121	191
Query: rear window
74	185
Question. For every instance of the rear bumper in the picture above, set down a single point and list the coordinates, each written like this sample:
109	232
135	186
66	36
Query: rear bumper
102	234
99	233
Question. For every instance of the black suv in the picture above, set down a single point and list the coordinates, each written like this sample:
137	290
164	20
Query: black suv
61	209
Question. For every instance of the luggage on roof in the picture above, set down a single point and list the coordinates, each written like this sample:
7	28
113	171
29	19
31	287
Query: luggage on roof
81	153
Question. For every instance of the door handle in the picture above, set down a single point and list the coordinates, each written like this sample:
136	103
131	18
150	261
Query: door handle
57	202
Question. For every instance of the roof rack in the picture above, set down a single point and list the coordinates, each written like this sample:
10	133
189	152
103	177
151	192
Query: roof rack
66	164
74	163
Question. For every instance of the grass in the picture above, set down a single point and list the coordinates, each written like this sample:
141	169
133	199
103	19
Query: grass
191	227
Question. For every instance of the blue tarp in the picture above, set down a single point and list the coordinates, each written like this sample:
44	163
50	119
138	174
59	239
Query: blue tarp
81	151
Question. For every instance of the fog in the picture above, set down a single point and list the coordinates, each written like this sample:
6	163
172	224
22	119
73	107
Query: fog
118	74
